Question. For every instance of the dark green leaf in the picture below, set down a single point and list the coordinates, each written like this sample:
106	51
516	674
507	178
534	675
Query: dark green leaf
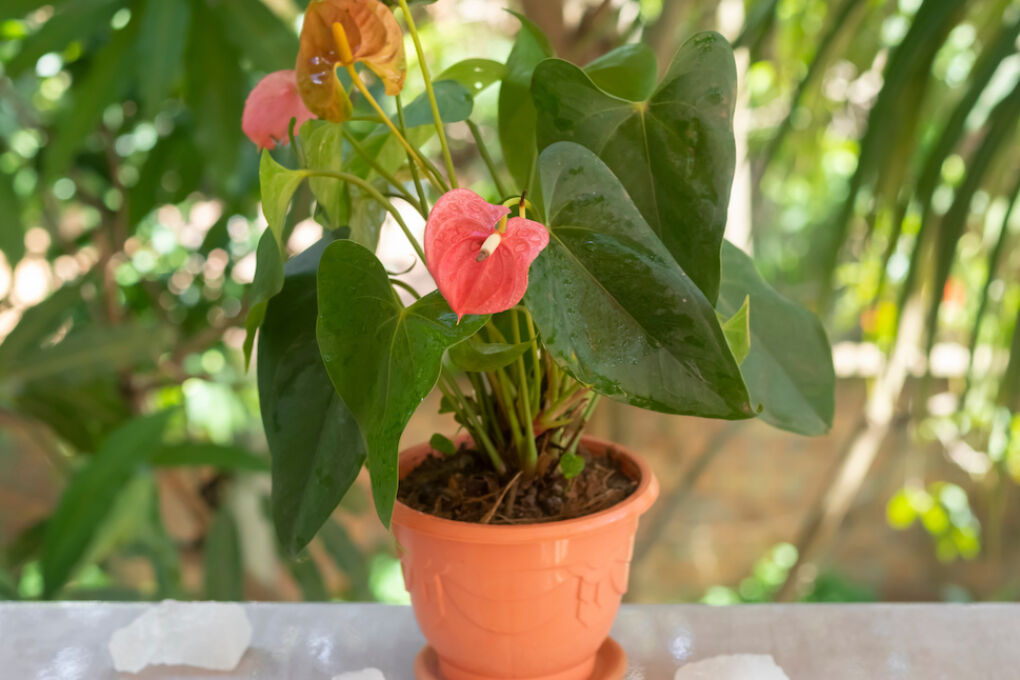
674	153
322	143
614	307
516	110
442	444
164	34
383	358
264	38
203	453
221	560
82	413
737	330
628	72
476	355
317	450
87	500
474	74
788	370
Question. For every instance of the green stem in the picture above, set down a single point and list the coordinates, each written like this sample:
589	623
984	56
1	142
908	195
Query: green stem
436	118
484	398
410	161
483	151
531	453
478	425
537	391
406	286
360	150
360	85
589	408
378	198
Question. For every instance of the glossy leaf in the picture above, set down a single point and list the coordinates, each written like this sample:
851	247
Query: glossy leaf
86	501
516	110
737	330
223	457
164	32
674	153
614	307
322	143
383	358
629	72
788	369
475	75
476	355
221	560
316	447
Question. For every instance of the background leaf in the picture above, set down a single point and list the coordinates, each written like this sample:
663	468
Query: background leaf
163	36
221	560
87	500
475	75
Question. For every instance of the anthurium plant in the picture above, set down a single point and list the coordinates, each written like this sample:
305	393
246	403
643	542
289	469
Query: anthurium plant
600	268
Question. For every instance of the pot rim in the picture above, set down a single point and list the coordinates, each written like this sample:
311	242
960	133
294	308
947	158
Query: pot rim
471	532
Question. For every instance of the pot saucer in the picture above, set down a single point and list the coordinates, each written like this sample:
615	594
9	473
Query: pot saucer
610	663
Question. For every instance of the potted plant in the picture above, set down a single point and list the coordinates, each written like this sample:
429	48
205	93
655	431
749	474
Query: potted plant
600	270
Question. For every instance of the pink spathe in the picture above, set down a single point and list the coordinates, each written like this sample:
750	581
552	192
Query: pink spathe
460	223
269	108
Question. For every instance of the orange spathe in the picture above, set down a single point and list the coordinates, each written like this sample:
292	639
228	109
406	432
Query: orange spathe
373	37
522	602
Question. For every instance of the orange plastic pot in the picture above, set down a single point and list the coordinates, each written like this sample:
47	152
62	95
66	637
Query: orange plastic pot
525	602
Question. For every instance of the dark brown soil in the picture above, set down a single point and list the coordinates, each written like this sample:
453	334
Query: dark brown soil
465	487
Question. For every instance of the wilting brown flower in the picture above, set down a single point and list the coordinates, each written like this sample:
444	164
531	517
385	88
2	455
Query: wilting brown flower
373	37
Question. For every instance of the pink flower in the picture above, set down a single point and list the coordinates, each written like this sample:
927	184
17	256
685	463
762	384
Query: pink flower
269	108
480	263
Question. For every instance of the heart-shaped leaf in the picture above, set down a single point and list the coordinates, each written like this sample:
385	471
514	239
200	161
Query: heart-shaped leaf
674	153
382	357
788	369
628	72
278	185
615	308
516	110
316	447
267	283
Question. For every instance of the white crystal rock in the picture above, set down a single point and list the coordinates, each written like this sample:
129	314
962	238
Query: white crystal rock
212	635
733	667
363	674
